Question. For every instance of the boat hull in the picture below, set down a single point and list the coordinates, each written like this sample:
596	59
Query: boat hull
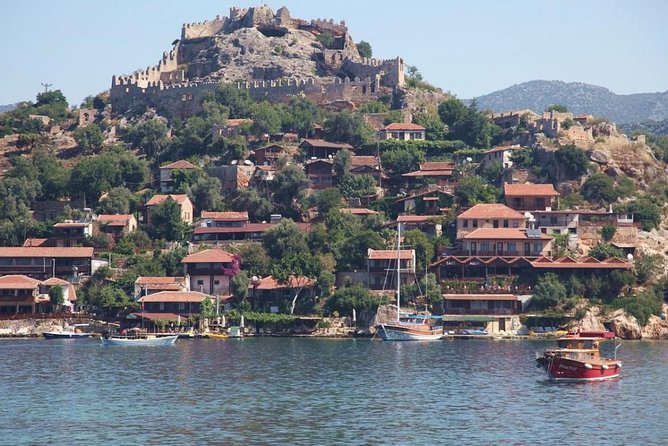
148	342
568	370
65	335
390	332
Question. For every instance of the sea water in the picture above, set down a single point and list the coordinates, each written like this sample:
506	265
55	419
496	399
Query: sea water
291	391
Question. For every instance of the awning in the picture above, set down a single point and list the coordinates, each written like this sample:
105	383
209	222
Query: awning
468	318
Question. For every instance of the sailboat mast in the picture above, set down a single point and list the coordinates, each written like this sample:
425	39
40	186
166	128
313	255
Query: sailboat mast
398	271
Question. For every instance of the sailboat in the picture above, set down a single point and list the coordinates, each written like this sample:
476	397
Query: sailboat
412	327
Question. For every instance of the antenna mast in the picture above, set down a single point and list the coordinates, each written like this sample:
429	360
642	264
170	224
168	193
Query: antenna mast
46	86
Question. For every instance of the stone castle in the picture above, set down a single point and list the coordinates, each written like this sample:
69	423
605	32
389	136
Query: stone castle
272	55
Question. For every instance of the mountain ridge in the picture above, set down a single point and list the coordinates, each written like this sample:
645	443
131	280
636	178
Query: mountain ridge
579	97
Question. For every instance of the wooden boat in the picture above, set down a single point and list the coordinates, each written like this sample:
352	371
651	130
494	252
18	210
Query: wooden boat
410	328
578	358
67	334
213	335
139	340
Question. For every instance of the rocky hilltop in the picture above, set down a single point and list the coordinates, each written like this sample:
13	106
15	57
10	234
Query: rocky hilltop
579	98
271	54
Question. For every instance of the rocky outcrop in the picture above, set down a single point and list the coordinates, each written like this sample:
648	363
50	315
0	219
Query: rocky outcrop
624	325
657	327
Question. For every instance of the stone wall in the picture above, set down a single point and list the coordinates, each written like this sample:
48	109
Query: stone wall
391	71
206	28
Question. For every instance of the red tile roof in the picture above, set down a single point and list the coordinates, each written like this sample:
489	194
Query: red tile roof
245	229
503	148
416	218
34	242
152	280
225	216
321	143
157	199
429	173
157	316
529	190
175	296
209	255
114	218
437	165
480	297
491	211
357	211
390	254
269	283
71	225
502	234
359	160
18	282
181	164
404	126
46	252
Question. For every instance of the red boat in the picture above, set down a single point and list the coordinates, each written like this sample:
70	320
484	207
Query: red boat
578	358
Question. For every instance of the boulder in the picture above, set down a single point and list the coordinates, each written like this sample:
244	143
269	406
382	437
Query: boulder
591	321
625	326
599	157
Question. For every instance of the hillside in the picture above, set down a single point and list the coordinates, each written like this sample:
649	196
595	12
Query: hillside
7	107
579	98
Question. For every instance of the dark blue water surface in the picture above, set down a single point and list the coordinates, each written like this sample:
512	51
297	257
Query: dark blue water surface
319	391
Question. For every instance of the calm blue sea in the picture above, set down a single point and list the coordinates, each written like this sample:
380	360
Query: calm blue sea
291	391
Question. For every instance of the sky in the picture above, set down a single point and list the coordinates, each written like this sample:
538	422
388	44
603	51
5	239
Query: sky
467	47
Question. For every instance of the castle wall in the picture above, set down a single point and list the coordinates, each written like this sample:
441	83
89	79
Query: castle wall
206	28
390	70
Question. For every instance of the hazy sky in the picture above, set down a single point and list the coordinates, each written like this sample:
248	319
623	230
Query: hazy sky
468	47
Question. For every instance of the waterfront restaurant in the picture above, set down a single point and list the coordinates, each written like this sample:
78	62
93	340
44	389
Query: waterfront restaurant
42	262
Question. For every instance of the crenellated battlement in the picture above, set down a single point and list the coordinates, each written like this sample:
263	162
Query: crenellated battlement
330	25
206	28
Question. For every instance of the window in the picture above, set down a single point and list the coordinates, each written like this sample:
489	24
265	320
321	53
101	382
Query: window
537	247
216	282
505	223
200	282
465	223
511	247
475	223
516	224
495	223
484	247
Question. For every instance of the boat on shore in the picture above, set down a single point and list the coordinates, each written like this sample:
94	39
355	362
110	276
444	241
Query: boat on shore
214	335
577	358
139	340
72	333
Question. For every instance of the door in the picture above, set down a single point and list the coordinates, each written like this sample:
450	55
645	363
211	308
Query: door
473	247
499	249
527	248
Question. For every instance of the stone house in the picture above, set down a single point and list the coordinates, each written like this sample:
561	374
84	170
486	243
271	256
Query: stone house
404	131
209	271
492	215
181	199
500	154
529	197
382	267
166	174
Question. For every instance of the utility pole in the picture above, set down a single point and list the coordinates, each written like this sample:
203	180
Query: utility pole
46	86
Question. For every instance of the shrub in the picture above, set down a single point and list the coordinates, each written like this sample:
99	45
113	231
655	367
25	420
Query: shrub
608	232
641	306
573	159
600	188
549	292
648	267
604	251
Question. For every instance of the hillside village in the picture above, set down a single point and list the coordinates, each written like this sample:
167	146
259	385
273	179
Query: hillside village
263	168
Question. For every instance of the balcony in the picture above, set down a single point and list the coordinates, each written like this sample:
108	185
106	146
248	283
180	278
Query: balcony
481	312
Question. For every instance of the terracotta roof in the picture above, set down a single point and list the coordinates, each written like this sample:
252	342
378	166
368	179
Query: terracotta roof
225	216
209	255
357	211
326	144
584	263
360	160
18	282
428	173
404	126
491	211
502	234
175	296
529	190
503	148
46	252
157	199
390	254
269	283
247	228
480	297
181	164
153	280
71	225
34	242
437	165
56	281
237	122
114	218
416	218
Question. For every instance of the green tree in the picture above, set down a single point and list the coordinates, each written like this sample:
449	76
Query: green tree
149	136
574	160
648	268
166	221
326	281
364	48
326	39
236	100
645	210
474	190
56	298
239	286
266	118
300	116
557	108
327	199
522	158
342	162
347	127
53	176
424	249
402	160
608	232
89	137
289	188
354	297
119	200
357	186
549	292
254	259
600	188
258	207
604	251
51	98
435	129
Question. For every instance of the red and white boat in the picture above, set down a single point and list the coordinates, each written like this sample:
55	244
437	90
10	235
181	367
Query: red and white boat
578	358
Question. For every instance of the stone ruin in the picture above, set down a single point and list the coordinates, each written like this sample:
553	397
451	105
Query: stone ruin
193	66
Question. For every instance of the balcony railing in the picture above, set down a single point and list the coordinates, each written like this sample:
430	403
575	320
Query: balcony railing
481	312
